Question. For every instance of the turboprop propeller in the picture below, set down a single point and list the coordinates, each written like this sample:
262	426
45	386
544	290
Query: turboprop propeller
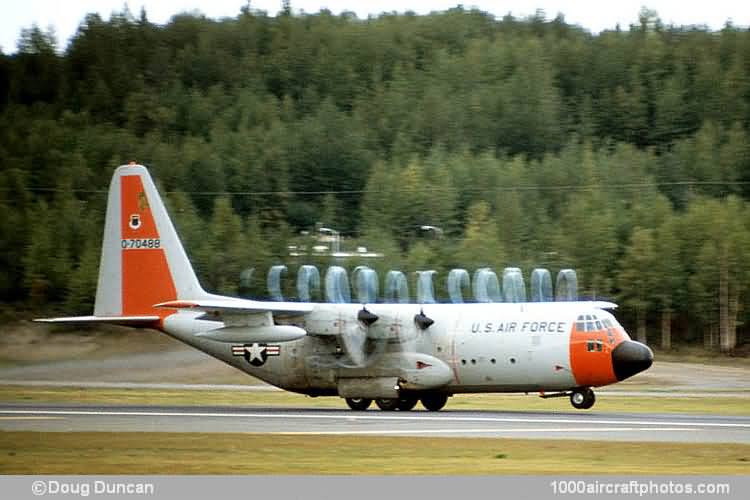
354	337
422	320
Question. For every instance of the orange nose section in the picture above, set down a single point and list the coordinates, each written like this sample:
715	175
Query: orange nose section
591	354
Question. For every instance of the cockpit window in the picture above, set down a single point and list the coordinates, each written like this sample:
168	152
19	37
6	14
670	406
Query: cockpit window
594	346
596	323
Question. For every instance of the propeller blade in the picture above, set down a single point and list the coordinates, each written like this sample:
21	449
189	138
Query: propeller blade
354	338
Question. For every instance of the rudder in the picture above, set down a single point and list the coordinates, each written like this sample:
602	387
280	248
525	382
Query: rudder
143	262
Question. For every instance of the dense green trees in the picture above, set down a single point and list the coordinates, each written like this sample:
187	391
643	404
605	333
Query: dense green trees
528	142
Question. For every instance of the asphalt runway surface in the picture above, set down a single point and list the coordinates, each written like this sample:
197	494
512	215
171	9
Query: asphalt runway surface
305	421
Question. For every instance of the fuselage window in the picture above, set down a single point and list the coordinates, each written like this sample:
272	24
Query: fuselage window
599	346
590	346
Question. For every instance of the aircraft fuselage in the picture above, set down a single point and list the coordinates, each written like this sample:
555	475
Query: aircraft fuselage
488	347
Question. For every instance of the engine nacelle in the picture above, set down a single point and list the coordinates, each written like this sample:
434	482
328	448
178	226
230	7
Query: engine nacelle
252	334
392	372
420	372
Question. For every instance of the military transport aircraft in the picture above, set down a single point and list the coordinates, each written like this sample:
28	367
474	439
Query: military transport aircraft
395	354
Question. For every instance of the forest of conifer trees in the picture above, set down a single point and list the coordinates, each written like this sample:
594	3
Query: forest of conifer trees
529	142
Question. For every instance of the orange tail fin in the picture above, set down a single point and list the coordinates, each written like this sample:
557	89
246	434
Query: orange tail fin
143	262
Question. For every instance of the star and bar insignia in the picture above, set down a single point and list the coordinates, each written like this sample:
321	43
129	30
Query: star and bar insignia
256	354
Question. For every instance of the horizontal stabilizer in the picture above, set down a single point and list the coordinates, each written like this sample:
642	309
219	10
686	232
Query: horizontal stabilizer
238	306
109	320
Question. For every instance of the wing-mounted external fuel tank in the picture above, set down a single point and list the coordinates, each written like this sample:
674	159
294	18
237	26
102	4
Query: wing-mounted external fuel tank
252	334
248	329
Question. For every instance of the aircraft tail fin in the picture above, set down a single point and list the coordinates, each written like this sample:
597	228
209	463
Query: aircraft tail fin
143	262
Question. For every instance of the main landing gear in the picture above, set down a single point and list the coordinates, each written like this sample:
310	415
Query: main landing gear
434	401
358	404
582	398
388	404
405	402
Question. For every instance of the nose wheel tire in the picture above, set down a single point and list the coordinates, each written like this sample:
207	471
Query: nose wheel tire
358	404
434	402
582	399
389	404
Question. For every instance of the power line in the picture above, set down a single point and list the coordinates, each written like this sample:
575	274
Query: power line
561	187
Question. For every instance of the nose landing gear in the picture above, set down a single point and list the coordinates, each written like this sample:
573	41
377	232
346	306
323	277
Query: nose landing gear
582	398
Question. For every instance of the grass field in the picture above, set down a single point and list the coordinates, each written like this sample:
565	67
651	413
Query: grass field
499	402
168	453
215	453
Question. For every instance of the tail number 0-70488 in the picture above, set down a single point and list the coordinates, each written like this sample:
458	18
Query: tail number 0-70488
146	243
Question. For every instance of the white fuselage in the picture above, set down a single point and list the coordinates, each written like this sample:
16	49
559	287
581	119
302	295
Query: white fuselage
488	347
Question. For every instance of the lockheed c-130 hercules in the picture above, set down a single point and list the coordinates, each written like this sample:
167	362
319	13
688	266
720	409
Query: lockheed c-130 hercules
394	354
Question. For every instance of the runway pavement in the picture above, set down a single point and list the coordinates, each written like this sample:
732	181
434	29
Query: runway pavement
272	421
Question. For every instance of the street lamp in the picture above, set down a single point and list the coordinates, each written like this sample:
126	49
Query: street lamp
336	237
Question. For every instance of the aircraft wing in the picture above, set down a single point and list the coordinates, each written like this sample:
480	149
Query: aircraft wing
238	306
225	306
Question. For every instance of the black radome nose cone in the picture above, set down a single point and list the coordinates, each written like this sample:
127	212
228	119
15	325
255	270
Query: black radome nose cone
631	357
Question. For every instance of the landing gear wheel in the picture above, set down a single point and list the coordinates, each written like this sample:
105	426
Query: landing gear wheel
387	404
358	404
434	402
582	399
407	401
